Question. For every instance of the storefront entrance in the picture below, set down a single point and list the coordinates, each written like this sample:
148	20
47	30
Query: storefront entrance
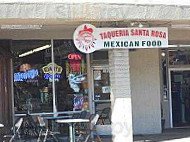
180	97
101	98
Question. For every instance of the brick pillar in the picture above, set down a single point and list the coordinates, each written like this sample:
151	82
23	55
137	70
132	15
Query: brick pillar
120	95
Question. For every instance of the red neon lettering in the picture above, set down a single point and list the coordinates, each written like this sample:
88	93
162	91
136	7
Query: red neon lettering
74	56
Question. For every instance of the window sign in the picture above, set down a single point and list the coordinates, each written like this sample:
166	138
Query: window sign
75	64
88	38
78	101
106	89
48	72
23	76
75	80
97	75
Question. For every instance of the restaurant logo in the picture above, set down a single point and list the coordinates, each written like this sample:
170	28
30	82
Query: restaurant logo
84	38
88	38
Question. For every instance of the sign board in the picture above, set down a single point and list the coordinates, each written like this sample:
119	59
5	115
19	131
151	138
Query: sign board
48	72
88	38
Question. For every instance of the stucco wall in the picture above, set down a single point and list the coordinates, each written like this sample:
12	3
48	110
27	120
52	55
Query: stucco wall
117	10
145	91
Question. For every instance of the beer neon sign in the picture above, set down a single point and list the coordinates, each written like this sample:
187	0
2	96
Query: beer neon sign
22	76
48	72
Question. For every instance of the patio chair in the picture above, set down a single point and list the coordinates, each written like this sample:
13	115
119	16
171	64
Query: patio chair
83	114
105	115
87	131
44	131
15	131
76	116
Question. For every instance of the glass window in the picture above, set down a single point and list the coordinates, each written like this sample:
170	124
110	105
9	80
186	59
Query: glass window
179	57
101	98
32	90
101	84
71	82
33	76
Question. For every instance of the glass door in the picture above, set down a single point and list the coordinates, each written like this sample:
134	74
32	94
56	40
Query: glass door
180	96
101	97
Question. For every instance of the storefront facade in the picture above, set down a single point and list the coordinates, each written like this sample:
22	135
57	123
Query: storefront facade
139	72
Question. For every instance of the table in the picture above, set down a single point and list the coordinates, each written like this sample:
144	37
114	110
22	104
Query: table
72	123
1	125
53	118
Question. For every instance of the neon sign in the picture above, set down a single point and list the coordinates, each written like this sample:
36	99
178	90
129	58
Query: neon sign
48	72
75	61
22	76
74	56
48	69
50	77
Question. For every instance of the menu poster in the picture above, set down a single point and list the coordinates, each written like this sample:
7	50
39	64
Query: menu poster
97	75
78	101
106	89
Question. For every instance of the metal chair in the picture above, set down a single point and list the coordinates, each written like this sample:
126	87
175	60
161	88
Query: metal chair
44	131
83	114
76	116
105	115
15	131
88	132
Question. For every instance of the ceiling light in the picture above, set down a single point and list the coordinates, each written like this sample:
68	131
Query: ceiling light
163	54
34	50
141	25
132	23
21	27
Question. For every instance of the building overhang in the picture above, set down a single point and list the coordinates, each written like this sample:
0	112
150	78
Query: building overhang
100	10
59	18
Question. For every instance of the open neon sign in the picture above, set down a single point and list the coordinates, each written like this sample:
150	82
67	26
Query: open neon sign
74	56
22	76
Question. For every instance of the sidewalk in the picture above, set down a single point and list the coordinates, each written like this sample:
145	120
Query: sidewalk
170	135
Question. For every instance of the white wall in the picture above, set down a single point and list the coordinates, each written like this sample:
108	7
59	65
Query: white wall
145	91
166	2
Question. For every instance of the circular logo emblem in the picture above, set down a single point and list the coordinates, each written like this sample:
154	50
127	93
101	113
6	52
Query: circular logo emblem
84	38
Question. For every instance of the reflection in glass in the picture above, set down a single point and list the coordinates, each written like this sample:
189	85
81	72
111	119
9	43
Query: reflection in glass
71	88
180	91
179	57
32	92
102	94
34	71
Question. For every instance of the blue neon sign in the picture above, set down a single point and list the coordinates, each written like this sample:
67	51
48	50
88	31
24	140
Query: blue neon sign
49	77
22	76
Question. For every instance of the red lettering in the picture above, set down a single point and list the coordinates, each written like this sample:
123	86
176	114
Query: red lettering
164	35
132	32
159	34
74	56
117	33
101	36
